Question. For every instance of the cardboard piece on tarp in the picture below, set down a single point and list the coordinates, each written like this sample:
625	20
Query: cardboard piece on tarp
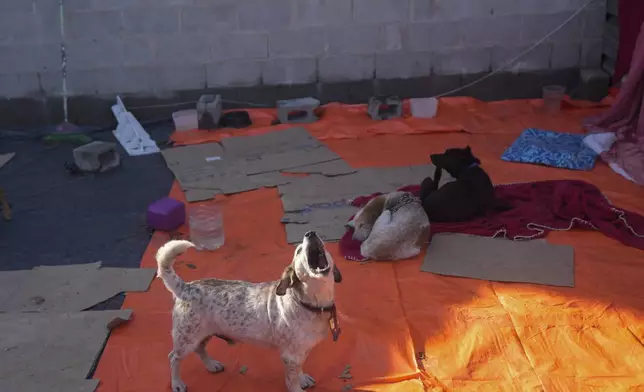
302	193
53	350
329	224
322	203
291	139
336	167
68	288
60	385
500	260
5	158
289	160
242	164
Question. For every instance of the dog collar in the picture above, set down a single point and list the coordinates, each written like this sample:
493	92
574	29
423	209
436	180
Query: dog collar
334	324
405	199
317	309
473	165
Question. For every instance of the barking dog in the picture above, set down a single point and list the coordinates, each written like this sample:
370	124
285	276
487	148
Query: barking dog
292	314
391	227
470	195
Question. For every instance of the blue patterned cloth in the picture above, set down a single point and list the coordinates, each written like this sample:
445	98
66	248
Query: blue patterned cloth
564	150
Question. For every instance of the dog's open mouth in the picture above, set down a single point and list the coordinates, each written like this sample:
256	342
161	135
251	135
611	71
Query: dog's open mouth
315	254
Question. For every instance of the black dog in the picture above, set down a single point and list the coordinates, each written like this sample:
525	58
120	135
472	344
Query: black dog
470	195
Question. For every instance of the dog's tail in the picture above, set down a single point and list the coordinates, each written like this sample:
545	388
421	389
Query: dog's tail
165	259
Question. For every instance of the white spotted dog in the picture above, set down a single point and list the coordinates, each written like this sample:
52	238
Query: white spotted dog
292	314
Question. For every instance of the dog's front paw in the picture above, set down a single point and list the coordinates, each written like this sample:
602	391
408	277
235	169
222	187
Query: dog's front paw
214	366
306	381
179	386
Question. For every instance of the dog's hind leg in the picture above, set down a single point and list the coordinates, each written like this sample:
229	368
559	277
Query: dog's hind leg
184	344
212	365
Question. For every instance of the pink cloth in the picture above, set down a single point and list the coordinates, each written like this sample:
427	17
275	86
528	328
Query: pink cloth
626	119
538	208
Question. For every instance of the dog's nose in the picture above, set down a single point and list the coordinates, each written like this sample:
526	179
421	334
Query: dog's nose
309	234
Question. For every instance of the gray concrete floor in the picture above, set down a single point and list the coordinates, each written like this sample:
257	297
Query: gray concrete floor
61	219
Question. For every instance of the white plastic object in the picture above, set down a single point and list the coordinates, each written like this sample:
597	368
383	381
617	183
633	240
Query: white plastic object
129	132
185	120
424	107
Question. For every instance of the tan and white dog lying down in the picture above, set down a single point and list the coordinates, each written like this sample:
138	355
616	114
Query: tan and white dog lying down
391	227
292	314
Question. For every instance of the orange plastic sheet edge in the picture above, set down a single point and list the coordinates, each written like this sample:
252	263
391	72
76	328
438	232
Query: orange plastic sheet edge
405	330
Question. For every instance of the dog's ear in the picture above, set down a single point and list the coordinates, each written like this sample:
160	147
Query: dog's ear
468	149
337	276
287	281
438	160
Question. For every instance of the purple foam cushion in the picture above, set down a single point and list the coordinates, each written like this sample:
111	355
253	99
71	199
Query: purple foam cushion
166	214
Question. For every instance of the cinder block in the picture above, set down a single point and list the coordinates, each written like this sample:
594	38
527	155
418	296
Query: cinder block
384	107
356	39
299	110
15	25
593	23
19	85
322	12
92	24
97	156
151	20
403	65
346	68
208	19
94	53
381	11
209	111
455	9
290	71
435	35
491	31
594	84
182	49
137	51
110	81
234	73
260	15
393	37
29	58
180	77
239	46
298	42
565	56
461	61
536	27
7	6
591	53
537	59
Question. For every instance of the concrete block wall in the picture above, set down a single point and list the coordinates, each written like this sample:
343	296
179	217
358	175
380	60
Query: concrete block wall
157	46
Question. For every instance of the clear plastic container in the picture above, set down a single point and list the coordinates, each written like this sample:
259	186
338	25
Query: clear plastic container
552	97
185	120
206	226
424	107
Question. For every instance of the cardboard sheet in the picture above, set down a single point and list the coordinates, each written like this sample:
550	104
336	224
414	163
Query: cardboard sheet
53	350
241	164
500	260
337	167
308	192
68	288
321	203
5	158
271	143
328	223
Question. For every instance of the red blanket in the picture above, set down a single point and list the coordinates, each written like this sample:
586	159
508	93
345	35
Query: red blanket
538	208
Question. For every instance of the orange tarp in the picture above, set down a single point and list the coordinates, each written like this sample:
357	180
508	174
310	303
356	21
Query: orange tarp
405	330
